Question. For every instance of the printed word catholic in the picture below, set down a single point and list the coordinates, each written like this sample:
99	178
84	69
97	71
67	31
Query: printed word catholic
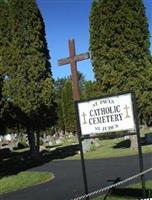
105	115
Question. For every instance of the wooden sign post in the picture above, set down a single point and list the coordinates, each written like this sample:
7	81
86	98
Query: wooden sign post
72	60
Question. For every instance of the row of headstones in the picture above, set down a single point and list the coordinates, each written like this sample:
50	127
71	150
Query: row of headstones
58	139
11	140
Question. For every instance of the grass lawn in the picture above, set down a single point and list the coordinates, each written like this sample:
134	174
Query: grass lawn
125	197
23	180
106	149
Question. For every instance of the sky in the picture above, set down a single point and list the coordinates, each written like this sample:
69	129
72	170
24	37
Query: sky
69	19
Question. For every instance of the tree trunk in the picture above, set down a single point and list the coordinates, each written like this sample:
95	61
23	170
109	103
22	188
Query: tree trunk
31	139
38	141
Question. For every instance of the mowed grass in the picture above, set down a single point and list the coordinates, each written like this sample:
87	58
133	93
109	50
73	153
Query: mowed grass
130	197
23	180
106	149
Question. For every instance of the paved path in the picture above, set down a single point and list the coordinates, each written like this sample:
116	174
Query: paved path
68	181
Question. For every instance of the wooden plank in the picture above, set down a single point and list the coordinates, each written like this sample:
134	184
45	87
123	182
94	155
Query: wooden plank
68	60
64	61
82	56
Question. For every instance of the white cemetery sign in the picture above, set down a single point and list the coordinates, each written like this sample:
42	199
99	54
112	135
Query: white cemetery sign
109	114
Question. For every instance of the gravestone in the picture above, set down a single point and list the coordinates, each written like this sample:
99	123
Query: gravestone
8	138
58	141
86	144
50	143
96	143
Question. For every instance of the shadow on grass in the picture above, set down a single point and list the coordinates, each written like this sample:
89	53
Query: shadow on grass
53	146
127	143
123	144
15	162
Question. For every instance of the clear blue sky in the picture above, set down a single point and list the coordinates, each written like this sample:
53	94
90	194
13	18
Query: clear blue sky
69	19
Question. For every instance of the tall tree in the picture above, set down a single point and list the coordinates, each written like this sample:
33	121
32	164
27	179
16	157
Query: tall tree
146	116
29	83
119	45
59	85
91	90
64	96
68	108
4	42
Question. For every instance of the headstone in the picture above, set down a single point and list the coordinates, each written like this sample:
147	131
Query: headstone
50	143
97	145
58	141
126	137
42	148
86	144
8	138
1	138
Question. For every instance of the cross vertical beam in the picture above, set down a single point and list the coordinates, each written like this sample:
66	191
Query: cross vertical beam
75	80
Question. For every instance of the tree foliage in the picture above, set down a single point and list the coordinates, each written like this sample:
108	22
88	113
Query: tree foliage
91	90
4	41
59	85
65	104
146	116
119	45
28	84
68	108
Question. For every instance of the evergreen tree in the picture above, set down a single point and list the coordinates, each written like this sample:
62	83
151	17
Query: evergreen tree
4	41
82	81
146	115
63	93
119	45
59	85
68	108
91	90
29	85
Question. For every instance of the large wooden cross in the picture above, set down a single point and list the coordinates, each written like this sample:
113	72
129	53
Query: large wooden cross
72	60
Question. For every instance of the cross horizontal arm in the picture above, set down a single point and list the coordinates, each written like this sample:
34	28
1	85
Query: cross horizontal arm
76	58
